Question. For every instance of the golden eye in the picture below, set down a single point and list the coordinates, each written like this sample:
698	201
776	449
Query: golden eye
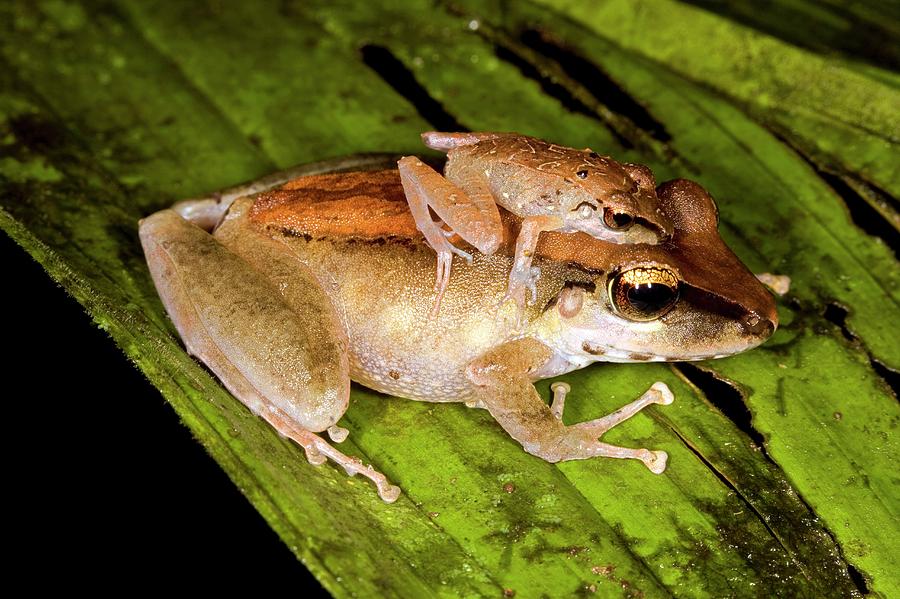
617	220
643	293
585	210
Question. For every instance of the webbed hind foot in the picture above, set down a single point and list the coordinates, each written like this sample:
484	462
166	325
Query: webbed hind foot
318	451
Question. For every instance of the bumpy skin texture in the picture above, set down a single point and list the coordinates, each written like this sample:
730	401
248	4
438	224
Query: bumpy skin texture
551	187
335	278
389	323
531	177
299	367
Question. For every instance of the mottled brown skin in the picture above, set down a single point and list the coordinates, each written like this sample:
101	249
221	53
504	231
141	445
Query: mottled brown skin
338	260
329	205
551	187
540	177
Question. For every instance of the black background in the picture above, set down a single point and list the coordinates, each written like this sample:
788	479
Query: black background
106	489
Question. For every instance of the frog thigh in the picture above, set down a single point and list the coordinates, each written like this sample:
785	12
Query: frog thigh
472	214
275	343
445	141
233	317
468	209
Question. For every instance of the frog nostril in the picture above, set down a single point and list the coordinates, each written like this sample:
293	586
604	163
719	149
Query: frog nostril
757	326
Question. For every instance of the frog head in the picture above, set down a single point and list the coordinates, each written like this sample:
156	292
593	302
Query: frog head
687	298
612	200
589	192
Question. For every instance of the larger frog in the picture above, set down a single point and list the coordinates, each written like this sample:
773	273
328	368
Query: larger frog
324	279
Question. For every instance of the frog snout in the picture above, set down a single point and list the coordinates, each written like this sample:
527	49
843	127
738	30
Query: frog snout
761	320
759	326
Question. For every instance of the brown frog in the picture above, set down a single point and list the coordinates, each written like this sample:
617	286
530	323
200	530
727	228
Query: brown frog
288	294
552	187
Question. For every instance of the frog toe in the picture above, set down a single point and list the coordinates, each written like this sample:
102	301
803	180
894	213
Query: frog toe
314	456
337	433
664	395
389	494
318	451
656	461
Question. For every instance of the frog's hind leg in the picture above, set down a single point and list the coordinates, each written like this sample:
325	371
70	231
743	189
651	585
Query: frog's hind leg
279	349
445	141
318	451
503	377
473	216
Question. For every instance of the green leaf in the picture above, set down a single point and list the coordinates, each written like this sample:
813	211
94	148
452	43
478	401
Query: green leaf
842	119
111	111
862	31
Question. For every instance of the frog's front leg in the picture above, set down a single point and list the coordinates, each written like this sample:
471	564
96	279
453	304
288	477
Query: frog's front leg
278	349
522	277
503	376
471	214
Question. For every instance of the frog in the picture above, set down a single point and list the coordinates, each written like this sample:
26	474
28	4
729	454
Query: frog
552	187
290	288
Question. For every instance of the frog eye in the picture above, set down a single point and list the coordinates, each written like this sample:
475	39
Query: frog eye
582	174
585	209
617	220
643	293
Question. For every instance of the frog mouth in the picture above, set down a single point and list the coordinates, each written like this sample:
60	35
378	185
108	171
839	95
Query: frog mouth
616	355
592	349
633	356
751	323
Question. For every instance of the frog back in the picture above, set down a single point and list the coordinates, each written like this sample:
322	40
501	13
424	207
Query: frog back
360	205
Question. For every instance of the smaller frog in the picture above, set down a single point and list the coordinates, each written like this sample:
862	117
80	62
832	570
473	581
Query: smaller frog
552	187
